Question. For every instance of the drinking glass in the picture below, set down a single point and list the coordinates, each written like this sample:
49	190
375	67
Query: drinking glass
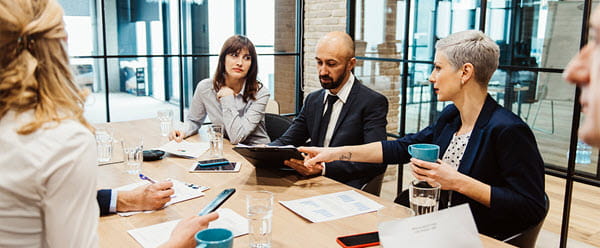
165	116
133	154
104	139
259	209
215	132
424	196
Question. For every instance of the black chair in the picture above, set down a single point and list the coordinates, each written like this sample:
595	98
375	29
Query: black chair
276	125
528	237
374	186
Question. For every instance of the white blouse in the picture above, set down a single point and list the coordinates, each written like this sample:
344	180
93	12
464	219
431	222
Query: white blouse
47	185
456	149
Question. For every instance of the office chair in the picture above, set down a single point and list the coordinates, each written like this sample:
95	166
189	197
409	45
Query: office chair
528	237
276	125
374	186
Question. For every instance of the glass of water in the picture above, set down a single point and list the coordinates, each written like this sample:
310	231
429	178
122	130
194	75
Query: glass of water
104	139
259	206
424	196
133	154
215	133
165	116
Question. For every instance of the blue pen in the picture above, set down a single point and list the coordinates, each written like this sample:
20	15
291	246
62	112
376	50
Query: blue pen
146	178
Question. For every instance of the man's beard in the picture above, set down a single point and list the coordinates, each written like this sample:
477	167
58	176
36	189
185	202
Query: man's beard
334	83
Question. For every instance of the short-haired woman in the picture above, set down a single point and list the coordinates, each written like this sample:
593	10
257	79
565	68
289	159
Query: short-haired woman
490	158
233	98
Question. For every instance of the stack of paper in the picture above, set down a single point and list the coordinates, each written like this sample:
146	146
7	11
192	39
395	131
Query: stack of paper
183	192
185	149
155	235
332	206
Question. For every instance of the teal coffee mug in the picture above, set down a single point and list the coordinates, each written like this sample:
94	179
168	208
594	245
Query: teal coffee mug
425	152
214	238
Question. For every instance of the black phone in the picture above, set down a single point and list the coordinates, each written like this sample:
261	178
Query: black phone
359	240
217	202
226	167
212	162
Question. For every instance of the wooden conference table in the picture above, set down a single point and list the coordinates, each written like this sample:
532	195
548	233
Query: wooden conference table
288	229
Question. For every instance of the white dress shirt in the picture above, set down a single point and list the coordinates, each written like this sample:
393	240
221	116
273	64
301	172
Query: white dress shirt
47	185
337	107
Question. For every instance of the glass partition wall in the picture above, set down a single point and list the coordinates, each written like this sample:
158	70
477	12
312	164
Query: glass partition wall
137	56
395	42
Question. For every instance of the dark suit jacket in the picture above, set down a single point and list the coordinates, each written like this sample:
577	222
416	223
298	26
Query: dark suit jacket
362	120
103	198
502	152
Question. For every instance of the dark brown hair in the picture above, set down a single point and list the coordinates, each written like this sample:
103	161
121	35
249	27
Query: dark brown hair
233	45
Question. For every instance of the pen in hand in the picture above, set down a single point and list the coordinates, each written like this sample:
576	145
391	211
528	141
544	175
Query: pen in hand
146	178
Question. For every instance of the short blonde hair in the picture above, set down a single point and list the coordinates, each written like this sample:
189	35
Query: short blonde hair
34	66
471	46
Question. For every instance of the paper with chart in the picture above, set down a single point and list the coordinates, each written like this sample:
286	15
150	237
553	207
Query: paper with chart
332	206
185	149
183	192
153	236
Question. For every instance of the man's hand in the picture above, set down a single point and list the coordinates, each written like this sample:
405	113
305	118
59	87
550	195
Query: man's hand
298	165
176	135
145	197
183	234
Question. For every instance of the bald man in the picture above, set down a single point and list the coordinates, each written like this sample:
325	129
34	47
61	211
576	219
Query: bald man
344	112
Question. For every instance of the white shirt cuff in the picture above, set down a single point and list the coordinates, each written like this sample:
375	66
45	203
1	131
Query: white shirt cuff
323	171
113	201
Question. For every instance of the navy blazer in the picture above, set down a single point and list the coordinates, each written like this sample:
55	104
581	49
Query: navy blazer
502	152
362	120
103	198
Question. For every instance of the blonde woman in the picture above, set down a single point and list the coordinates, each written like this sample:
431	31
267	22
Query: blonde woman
47	163
488	155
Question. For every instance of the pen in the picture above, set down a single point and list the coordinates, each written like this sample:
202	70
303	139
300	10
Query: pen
146	178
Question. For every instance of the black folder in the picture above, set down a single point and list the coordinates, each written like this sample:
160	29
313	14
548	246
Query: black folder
268	156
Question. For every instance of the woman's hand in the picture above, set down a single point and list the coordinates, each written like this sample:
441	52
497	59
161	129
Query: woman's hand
186	229
176	135
316	155
224	91
440	172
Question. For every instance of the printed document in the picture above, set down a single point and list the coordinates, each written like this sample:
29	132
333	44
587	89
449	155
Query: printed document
155	235
183	192
185	149
437	229
332	206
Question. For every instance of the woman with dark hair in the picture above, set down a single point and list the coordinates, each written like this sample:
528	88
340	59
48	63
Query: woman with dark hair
233	98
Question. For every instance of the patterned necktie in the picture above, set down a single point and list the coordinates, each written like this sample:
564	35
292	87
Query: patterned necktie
331	99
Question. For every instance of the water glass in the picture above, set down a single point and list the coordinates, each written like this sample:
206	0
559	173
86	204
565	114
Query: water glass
104	141
215	132
133	154
259	207
165	116
424	196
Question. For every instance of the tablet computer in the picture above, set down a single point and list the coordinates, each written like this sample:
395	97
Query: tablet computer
268	156
217	167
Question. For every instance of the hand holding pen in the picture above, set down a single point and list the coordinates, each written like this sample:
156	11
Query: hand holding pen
146	197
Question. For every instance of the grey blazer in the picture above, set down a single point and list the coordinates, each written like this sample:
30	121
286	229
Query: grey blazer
244	122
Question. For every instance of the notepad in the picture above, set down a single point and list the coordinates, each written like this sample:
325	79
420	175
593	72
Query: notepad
155	235
183	192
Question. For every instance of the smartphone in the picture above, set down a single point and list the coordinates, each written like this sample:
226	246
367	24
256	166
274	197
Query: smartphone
217	202
226	167
212	162
359	240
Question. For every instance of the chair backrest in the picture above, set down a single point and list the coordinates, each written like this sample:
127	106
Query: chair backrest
276	125
528	237
272	107
374	186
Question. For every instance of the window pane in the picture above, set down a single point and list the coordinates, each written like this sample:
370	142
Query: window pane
82	29
376	36
89	73
535	33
